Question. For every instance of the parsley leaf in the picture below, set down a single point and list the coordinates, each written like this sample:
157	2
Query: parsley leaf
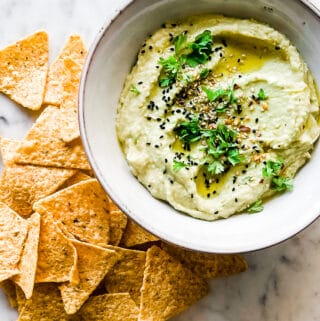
234	157
215	168
204	73
180	42
262	95
189	132
255	207
214	94
281	184
171	68
178	165
272	168
134	90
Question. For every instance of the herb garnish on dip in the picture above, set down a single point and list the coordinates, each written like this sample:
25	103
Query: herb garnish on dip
217	115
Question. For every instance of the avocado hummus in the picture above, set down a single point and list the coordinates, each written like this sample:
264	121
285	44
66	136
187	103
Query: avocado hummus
217	115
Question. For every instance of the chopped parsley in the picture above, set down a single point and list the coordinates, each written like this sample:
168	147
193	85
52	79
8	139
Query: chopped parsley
272	168
214	95
215	168
204	73
282	184
279	183
192	54
171	67
255	207
262	95
134	90
177	165
220	149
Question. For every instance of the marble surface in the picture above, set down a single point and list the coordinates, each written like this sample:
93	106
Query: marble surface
282	283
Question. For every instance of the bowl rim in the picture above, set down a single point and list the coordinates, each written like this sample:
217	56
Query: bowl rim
85	141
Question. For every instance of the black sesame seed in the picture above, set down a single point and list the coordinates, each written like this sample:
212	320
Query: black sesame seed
172	49
171	181
150	47
165	171
277	48
233	189
236	200
244	171
208	195
214	192
149	185
140	82
238	60
156	146
148	144
257	120
191	195
143	51
166	160
216	212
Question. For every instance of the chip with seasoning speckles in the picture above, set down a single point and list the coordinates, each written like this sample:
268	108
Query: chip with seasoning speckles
57	257
43	146
13	233
168	287
82	211
93	264
136	235
110	307
45	305
208	265
28	263
127	274
24	68
34	183
73	49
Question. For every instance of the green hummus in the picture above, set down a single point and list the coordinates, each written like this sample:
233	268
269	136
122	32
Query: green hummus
217	115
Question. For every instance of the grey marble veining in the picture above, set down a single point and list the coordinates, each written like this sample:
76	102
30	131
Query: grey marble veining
282	283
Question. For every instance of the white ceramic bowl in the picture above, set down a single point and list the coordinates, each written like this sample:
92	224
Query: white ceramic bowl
110	60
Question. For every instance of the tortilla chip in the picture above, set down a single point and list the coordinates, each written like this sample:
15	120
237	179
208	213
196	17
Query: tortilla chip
93	264
81	210
42	146
57	257
127	273
76	178
118	223
168	287
136	235
28	264
74	49
34	182
23	70
110	307
13	232
45	305
9	289
208	265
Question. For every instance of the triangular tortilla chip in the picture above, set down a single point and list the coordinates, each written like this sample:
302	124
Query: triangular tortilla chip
57	257
9	290
74	49
76	178
23	70
208	265
81	210
13	232
43	146
127	273
93	264
28	263
45	305
168	287
136	235
110	307
22	185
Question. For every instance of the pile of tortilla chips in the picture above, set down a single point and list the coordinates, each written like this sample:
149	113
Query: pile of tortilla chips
66	251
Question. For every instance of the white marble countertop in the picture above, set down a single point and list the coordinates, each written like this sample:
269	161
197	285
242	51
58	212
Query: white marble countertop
282	283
